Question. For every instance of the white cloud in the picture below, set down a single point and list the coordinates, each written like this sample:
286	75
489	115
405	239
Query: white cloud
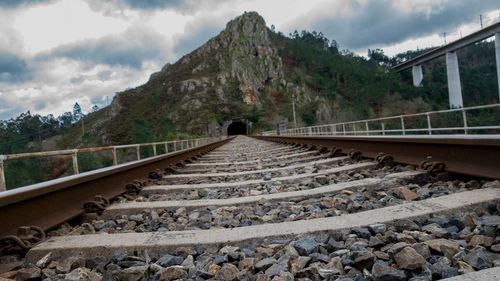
46	27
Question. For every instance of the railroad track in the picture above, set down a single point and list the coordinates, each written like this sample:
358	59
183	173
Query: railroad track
313	209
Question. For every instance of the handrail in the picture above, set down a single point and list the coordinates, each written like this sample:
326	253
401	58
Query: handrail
331	129
183	145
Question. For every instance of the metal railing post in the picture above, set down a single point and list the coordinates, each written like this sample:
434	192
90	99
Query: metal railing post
74	157
403	124
115	159
366	124
3	184
309	131
154	149
464	116
175	145
383	127
333	130
343	128
166	147
429	128
138	150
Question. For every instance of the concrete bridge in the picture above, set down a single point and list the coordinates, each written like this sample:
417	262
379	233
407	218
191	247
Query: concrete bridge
453	74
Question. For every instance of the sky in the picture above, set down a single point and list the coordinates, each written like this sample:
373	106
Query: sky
54	53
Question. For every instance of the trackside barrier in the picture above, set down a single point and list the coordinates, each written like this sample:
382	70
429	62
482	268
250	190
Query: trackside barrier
176	145
365	127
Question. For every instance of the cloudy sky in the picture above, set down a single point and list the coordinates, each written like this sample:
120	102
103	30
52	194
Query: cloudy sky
54	53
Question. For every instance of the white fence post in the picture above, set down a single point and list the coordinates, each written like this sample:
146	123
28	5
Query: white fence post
138	150
115	159
403	124
429	127
3	185
464	116
74	157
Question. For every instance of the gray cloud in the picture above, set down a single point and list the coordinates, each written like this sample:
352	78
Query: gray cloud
194	40
154	4
116	7
378	22
128	50
13	69
8	111
12	4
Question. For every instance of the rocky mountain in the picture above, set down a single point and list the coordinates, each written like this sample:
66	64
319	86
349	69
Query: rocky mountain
233	75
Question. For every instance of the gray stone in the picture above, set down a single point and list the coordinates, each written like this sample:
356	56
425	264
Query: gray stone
227	272
28	273
362	232
408	258
422	249
321	179
132	273
264	264
333	245
383	272
363	260
78	274
169	260
171	273
299	264
274	270
306	246
480	258
405	224
69	264
377	228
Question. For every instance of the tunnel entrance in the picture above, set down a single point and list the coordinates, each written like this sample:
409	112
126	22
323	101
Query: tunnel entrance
237	128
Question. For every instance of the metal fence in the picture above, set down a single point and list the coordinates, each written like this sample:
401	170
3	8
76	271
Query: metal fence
483	119
176	145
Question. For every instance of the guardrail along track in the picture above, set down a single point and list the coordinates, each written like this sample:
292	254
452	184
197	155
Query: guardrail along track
259	210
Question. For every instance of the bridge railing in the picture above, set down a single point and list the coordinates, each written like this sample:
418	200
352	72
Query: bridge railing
169	147
483	119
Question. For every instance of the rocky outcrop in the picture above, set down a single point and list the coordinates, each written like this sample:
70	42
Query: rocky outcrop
222	79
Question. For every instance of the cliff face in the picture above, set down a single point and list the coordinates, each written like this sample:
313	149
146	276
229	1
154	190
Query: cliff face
228	77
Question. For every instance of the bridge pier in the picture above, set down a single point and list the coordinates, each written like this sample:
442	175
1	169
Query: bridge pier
497	55
417	75
454	86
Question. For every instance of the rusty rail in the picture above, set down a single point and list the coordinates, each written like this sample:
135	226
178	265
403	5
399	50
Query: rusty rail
177	145
51	203
477	157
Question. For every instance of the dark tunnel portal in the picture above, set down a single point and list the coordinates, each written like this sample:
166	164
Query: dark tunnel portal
237	128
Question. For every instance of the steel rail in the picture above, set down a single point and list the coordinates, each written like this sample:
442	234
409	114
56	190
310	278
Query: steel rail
50	203
472	157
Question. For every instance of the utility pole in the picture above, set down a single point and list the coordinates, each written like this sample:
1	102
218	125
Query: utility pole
481	20
444	34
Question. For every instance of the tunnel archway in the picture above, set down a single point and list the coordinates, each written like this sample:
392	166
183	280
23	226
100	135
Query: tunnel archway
237	128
